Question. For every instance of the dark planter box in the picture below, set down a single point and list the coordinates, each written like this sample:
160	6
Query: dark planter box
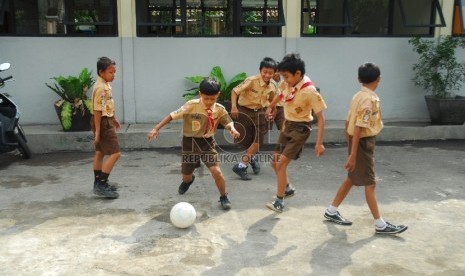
79	121
450	111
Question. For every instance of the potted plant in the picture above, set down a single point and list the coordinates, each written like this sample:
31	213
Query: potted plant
225	90
440	74
74	108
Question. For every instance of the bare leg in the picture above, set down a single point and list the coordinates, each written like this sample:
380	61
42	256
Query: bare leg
342	192
251	151
281	173
219	179
110	162
370	197
98	161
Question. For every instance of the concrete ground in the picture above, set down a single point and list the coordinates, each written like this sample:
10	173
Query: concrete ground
52	224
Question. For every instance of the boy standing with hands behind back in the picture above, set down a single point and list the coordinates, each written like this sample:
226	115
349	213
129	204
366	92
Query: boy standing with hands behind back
104	125
363	123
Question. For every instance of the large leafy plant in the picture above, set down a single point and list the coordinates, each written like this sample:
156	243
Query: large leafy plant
73	94
437	70
217	73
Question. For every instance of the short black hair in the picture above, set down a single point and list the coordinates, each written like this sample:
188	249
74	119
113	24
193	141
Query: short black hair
368	72
268	62
103	63
292	63
209	86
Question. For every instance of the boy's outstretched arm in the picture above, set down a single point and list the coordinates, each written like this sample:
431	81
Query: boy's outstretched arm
319	147
154	132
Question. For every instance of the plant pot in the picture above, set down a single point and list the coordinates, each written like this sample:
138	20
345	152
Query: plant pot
79	121
449	111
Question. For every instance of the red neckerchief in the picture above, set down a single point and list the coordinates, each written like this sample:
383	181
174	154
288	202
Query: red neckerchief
291	96
211	121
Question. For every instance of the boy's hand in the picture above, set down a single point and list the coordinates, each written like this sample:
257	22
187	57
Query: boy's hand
234	133
153	134
270	113
97	138
234	112
118	124
319	150
350	164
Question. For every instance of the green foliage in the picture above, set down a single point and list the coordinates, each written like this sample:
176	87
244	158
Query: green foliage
66	115
437	70
73	93
217	73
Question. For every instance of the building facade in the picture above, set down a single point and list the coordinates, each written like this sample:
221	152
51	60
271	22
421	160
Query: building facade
156	44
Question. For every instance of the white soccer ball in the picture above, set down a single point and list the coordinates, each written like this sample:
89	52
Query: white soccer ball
183	215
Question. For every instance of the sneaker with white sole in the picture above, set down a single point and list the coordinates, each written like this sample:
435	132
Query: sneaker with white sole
391	229
337	218
277	206
241	172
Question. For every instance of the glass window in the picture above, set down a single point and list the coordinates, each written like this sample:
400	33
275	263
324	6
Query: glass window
58	17
209	18
459	14
370	17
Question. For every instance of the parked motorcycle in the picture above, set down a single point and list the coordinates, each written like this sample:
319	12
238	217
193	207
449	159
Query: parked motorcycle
12	135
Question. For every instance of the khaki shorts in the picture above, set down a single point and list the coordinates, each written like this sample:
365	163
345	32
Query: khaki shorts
108	144
196	150
364	173
292	139
251	125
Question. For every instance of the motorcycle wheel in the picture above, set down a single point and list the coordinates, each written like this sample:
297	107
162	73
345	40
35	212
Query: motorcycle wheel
22	144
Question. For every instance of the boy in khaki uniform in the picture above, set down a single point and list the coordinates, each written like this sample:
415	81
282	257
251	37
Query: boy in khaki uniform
363	123
200	120
299	98
255	94
104	125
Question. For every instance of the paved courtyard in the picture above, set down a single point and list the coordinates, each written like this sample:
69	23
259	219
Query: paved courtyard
52	224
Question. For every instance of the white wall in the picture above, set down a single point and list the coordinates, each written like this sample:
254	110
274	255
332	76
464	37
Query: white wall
152	70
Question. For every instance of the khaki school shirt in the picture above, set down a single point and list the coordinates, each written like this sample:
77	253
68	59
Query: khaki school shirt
195	118
278	87
365	112
102	98
254	92
299	108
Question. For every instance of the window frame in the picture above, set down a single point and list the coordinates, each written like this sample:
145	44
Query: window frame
235	23
436	8
66	22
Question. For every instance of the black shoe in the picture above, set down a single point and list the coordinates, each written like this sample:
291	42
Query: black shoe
391	229
276	206
225	203
255	165
241	172
102	189
337	218
290	191
185	186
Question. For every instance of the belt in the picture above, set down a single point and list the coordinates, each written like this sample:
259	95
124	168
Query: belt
253	109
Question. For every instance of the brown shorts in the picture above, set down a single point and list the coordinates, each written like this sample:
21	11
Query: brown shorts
108	144
292	139
196	150
252	126
364	173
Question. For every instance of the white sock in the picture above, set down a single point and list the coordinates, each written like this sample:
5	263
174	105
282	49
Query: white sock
242	165
380	223
331	209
